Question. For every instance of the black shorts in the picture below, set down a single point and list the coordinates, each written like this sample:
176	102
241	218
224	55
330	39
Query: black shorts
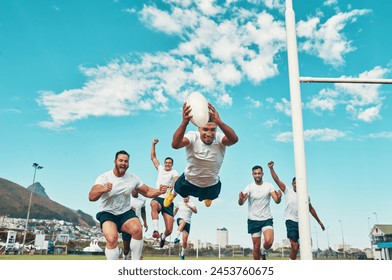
119	220
187	226
185	188
169	210
292	230
257	226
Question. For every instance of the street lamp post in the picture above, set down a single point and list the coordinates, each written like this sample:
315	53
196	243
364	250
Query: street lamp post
375	214
315	228
328	237
341	226
36	166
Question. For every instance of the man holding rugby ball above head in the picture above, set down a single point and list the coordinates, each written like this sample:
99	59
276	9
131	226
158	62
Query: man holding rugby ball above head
205	150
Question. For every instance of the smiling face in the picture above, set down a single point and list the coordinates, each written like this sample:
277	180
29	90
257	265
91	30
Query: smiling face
257	174
168	164
121	164
208	133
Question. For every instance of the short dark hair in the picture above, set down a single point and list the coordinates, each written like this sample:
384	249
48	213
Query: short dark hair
257	167
293	179
170	159
122	152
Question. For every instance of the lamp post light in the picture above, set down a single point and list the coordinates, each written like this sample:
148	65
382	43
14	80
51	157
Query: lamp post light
375	214
36	166
341	226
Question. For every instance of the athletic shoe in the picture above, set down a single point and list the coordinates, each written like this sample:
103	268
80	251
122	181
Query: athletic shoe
162	243
155	234
176	241
182	257
168	199
263	255
127	256
208	202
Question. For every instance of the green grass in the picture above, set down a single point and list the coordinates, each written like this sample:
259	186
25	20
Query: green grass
146	257
89	257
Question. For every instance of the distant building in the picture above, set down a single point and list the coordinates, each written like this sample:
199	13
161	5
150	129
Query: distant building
381	240
222	237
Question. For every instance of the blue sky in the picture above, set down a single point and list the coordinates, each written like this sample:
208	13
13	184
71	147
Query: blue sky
80	80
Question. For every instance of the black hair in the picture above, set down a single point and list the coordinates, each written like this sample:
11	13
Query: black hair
257	167
170	159
122	152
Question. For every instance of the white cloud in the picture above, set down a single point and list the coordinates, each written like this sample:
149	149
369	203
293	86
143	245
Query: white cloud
325	100
320	135
253	103
369	114
362	101
271	122
327	40
330	2
224	100
217	49
283	107
381	135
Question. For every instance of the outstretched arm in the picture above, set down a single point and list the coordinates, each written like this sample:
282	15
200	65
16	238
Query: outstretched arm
151	192
314	214
179	140
280	184
153	153
230	137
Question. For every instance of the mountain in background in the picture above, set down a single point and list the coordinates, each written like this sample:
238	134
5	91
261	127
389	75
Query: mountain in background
14	202
38	189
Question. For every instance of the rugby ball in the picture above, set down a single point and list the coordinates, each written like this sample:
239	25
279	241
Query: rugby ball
199	105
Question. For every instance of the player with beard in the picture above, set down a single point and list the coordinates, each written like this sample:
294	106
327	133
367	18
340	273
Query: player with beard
205	150
114	189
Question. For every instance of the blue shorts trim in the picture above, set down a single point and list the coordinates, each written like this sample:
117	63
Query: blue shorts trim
257	226
185	188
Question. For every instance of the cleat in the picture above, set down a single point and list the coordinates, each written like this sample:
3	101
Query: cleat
208	202
162	243
168	199
263	255
182	257
155	234
176	241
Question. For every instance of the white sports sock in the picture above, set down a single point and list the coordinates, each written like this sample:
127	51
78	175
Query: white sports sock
112	254
163	236
126	257
155	225
178	234
136	248
182	251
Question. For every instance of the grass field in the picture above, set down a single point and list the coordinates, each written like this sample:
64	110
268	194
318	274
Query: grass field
148	257
100	257
89	257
